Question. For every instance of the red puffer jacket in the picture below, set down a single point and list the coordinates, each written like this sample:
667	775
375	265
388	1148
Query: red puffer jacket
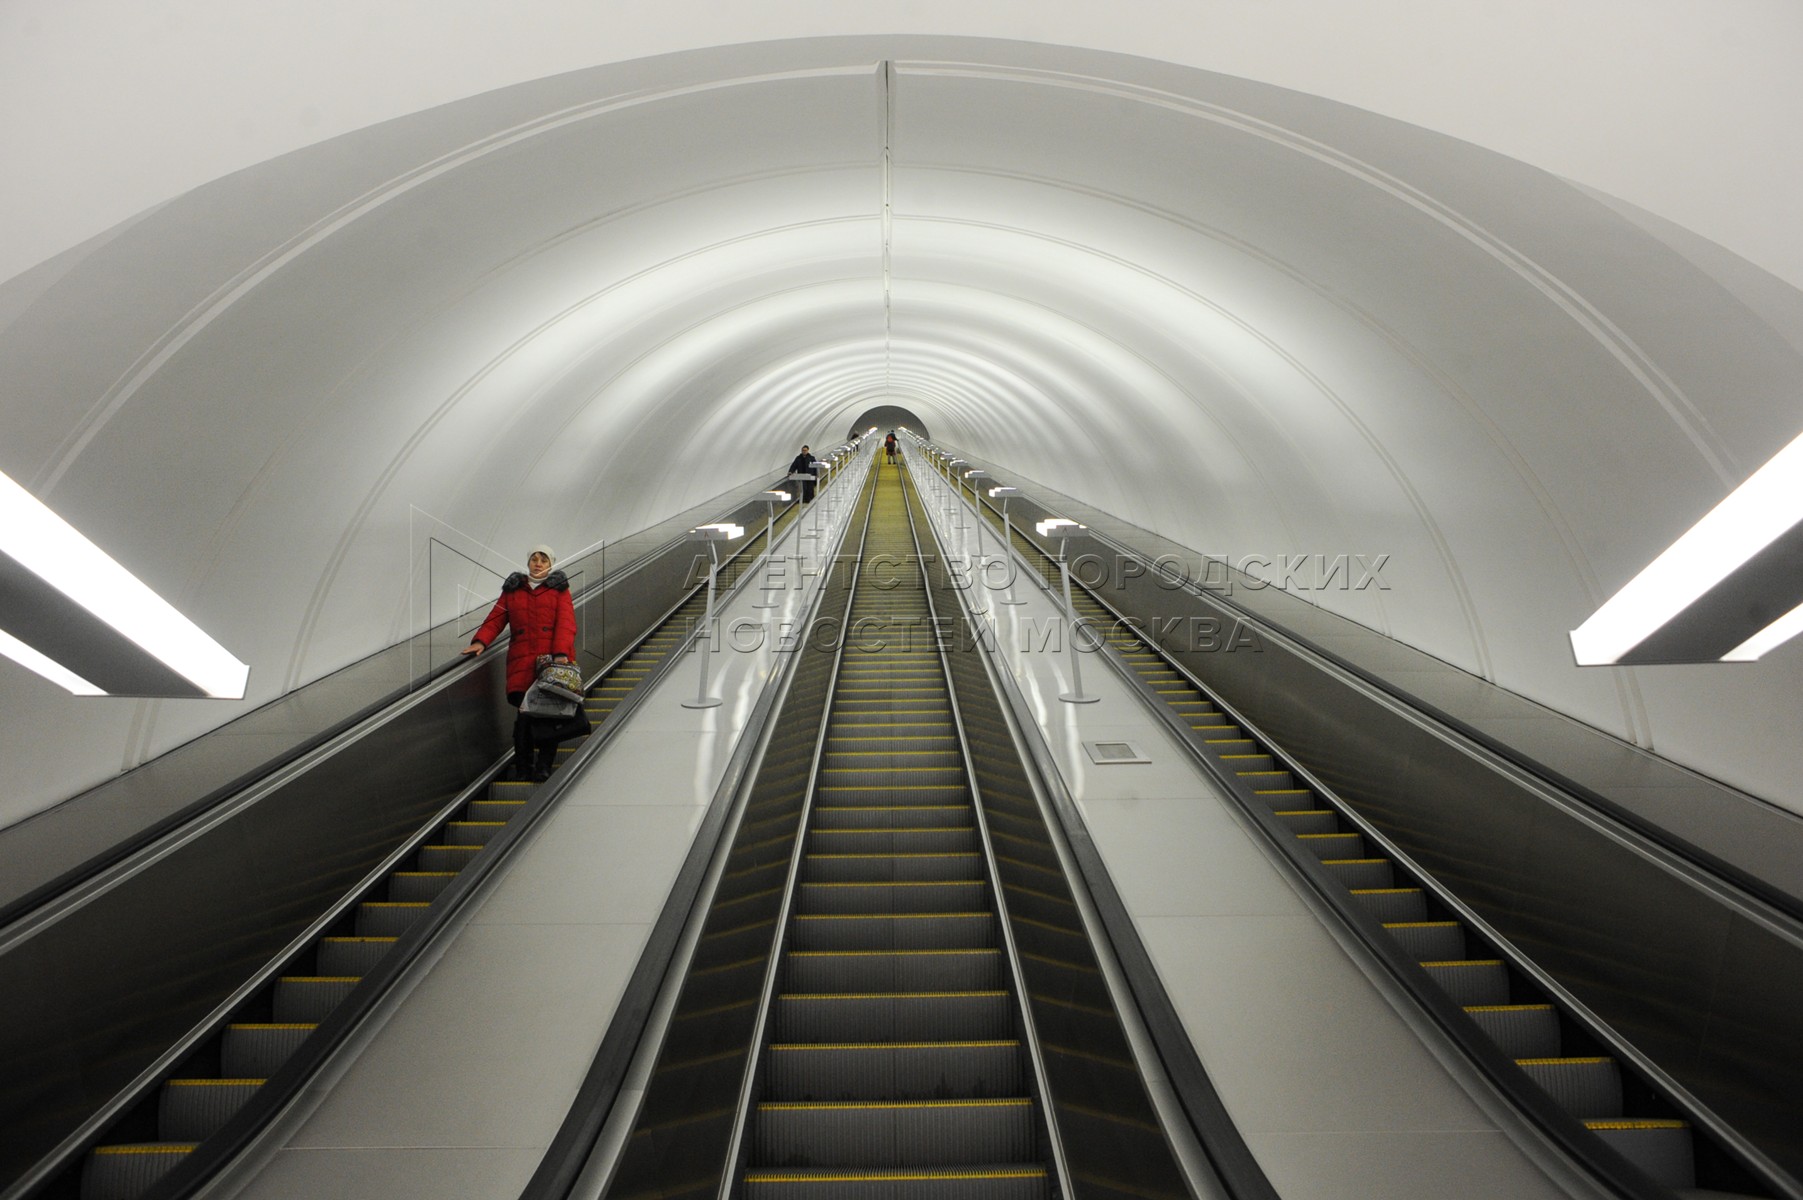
543	622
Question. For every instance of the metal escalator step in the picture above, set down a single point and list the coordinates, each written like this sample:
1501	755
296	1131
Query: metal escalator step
310	998
1663	1149
1306	820
836	817
893	896
1267	780
972	969
927	1070
1587	1088
1520	1030
256	1050
1362	872
352	955
878	757
471	833
418	885
1471	981
509	789
1333	845
901	1134
831	868
494	810
1250	762
191	1110
1425	940
908	1016
390	918
919	931
445	857
1393	904
125	1172
891	777
874	841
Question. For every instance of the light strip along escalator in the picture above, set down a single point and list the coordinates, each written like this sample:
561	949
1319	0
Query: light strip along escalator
894	1062
223	1072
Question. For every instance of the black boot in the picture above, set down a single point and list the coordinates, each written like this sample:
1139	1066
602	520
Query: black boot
522	747
541	769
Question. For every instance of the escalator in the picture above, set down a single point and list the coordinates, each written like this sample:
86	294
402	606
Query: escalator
893	993
224	1070
893	1057
1611	1113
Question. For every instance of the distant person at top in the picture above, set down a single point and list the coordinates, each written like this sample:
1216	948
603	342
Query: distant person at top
889	445
804	464
536	605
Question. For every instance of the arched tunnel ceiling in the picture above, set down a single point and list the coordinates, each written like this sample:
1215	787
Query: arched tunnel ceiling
1255	321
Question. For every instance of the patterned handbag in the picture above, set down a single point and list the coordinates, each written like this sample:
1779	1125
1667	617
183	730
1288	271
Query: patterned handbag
559	679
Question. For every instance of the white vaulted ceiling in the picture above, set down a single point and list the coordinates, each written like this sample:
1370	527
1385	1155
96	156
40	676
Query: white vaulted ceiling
1254	320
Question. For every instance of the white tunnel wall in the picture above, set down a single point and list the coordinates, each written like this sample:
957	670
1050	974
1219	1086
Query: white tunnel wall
1258	322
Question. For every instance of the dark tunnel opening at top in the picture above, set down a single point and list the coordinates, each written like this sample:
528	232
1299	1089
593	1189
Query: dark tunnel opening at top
889	416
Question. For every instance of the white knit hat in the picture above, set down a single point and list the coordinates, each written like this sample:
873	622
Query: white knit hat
542	549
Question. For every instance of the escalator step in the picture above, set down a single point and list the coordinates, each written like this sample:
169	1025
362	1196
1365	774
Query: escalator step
1362	872
1305	820
893	1016
391	918
904	1134
1393	904
925	931
126	1172
828	818
898	1070
1425	940
1587	1088
1520	1030
977	969
191	1110
1663	1149
472	833
445	857
904	896
938	839
352	955
1481	981
493	810
258	1050
828	868
1333	845
303	998
418	885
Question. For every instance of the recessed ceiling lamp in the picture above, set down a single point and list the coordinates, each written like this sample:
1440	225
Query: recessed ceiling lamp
82	621
1729	590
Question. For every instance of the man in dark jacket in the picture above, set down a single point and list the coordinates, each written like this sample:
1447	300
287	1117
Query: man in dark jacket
804	465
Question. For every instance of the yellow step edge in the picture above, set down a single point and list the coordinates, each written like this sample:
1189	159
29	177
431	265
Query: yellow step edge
1465	962
901	854
1470	1008
989	993
272	1025
888	953
885	916
214	1082
859	883
1553	1062
847	1105
1381	891
396	904
1616	1123
1420	924
924	1174
148	1148
1280	791
322	978
892	1045
386	940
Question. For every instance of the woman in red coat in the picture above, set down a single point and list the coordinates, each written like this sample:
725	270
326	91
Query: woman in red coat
536	606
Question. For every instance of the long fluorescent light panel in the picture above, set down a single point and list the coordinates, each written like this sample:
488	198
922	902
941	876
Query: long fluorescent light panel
1729	590
53	550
